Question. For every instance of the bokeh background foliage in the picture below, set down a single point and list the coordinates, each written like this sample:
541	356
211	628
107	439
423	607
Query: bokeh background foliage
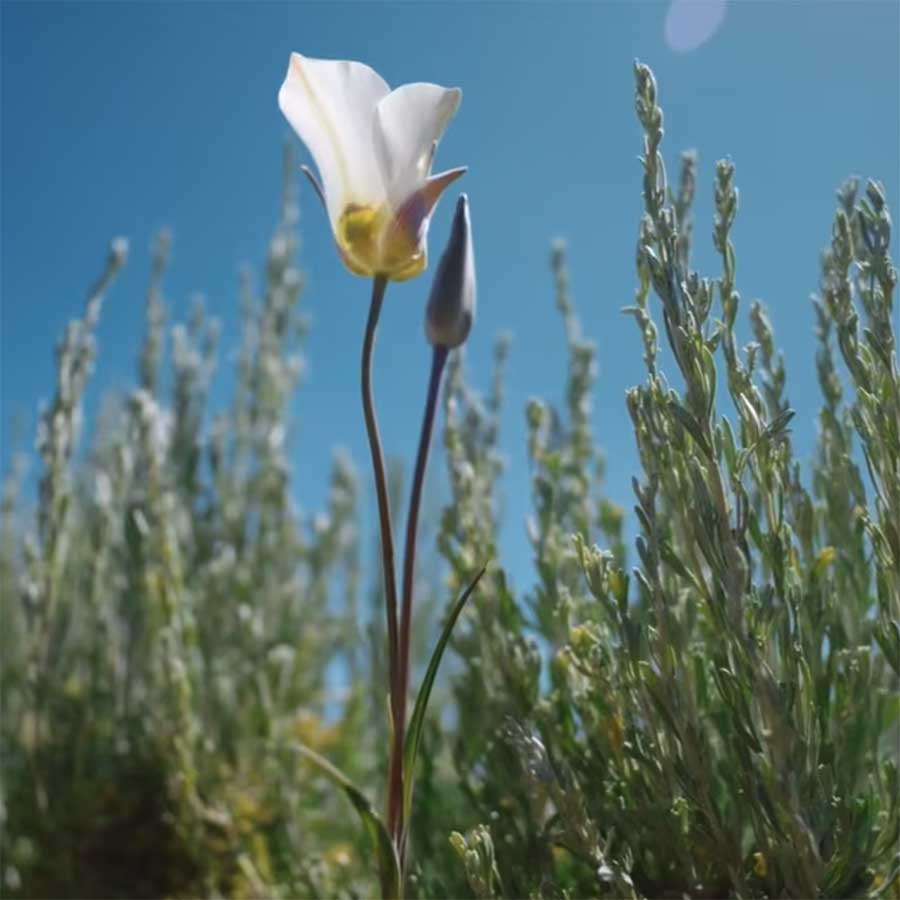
702	703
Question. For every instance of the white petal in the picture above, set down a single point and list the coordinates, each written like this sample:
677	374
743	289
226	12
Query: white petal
414	213
408	124
331	105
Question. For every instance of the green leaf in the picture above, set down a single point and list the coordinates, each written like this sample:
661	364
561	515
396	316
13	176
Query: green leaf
670	557
388	864
887	633
692	427
417	720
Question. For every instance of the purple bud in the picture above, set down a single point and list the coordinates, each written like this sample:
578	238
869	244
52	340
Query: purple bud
451	305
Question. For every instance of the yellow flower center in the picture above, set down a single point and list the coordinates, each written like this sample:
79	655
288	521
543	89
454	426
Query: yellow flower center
372	241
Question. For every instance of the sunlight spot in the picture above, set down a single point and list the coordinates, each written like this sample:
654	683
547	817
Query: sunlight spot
691	23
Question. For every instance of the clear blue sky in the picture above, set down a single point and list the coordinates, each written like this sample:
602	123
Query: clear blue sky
119	118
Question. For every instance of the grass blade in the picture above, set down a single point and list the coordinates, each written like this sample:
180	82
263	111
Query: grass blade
388	864
417	720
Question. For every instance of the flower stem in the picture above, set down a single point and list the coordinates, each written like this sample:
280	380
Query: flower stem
379	284
395	817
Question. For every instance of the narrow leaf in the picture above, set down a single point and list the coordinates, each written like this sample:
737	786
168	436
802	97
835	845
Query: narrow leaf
692	427
417	720
388	864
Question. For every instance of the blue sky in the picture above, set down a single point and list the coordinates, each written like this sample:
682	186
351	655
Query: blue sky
121	118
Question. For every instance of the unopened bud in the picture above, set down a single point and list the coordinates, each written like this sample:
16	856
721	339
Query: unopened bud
451	305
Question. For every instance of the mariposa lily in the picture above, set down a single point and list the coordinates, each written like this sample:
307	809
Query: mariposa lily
374	149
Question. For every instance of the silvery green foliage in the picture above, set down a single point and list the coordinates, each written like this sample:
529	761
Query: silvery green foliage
723	719
476	850
565	468
175	615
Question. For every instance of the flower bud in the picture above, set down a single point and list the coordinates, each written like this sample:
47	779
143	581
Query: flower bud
451	304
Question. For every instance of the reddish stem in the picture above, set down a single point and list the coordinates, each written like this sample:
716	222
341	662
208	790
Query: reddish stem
395	817
379	285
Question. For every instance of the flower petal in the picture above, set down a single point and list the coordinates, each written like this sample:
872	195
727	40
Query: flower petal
317	185
435	186
404	252
414	214
331	105
409	122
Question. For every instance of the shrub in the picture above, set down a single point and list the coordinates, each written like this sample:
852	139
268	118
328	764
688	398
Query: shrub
719	718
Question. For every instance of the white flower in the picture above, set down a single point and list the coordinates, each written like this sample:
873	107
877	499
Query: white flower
373	148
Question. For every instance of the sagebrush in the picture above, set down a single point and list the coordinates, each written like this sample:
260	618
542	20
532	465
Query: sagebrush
713	712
